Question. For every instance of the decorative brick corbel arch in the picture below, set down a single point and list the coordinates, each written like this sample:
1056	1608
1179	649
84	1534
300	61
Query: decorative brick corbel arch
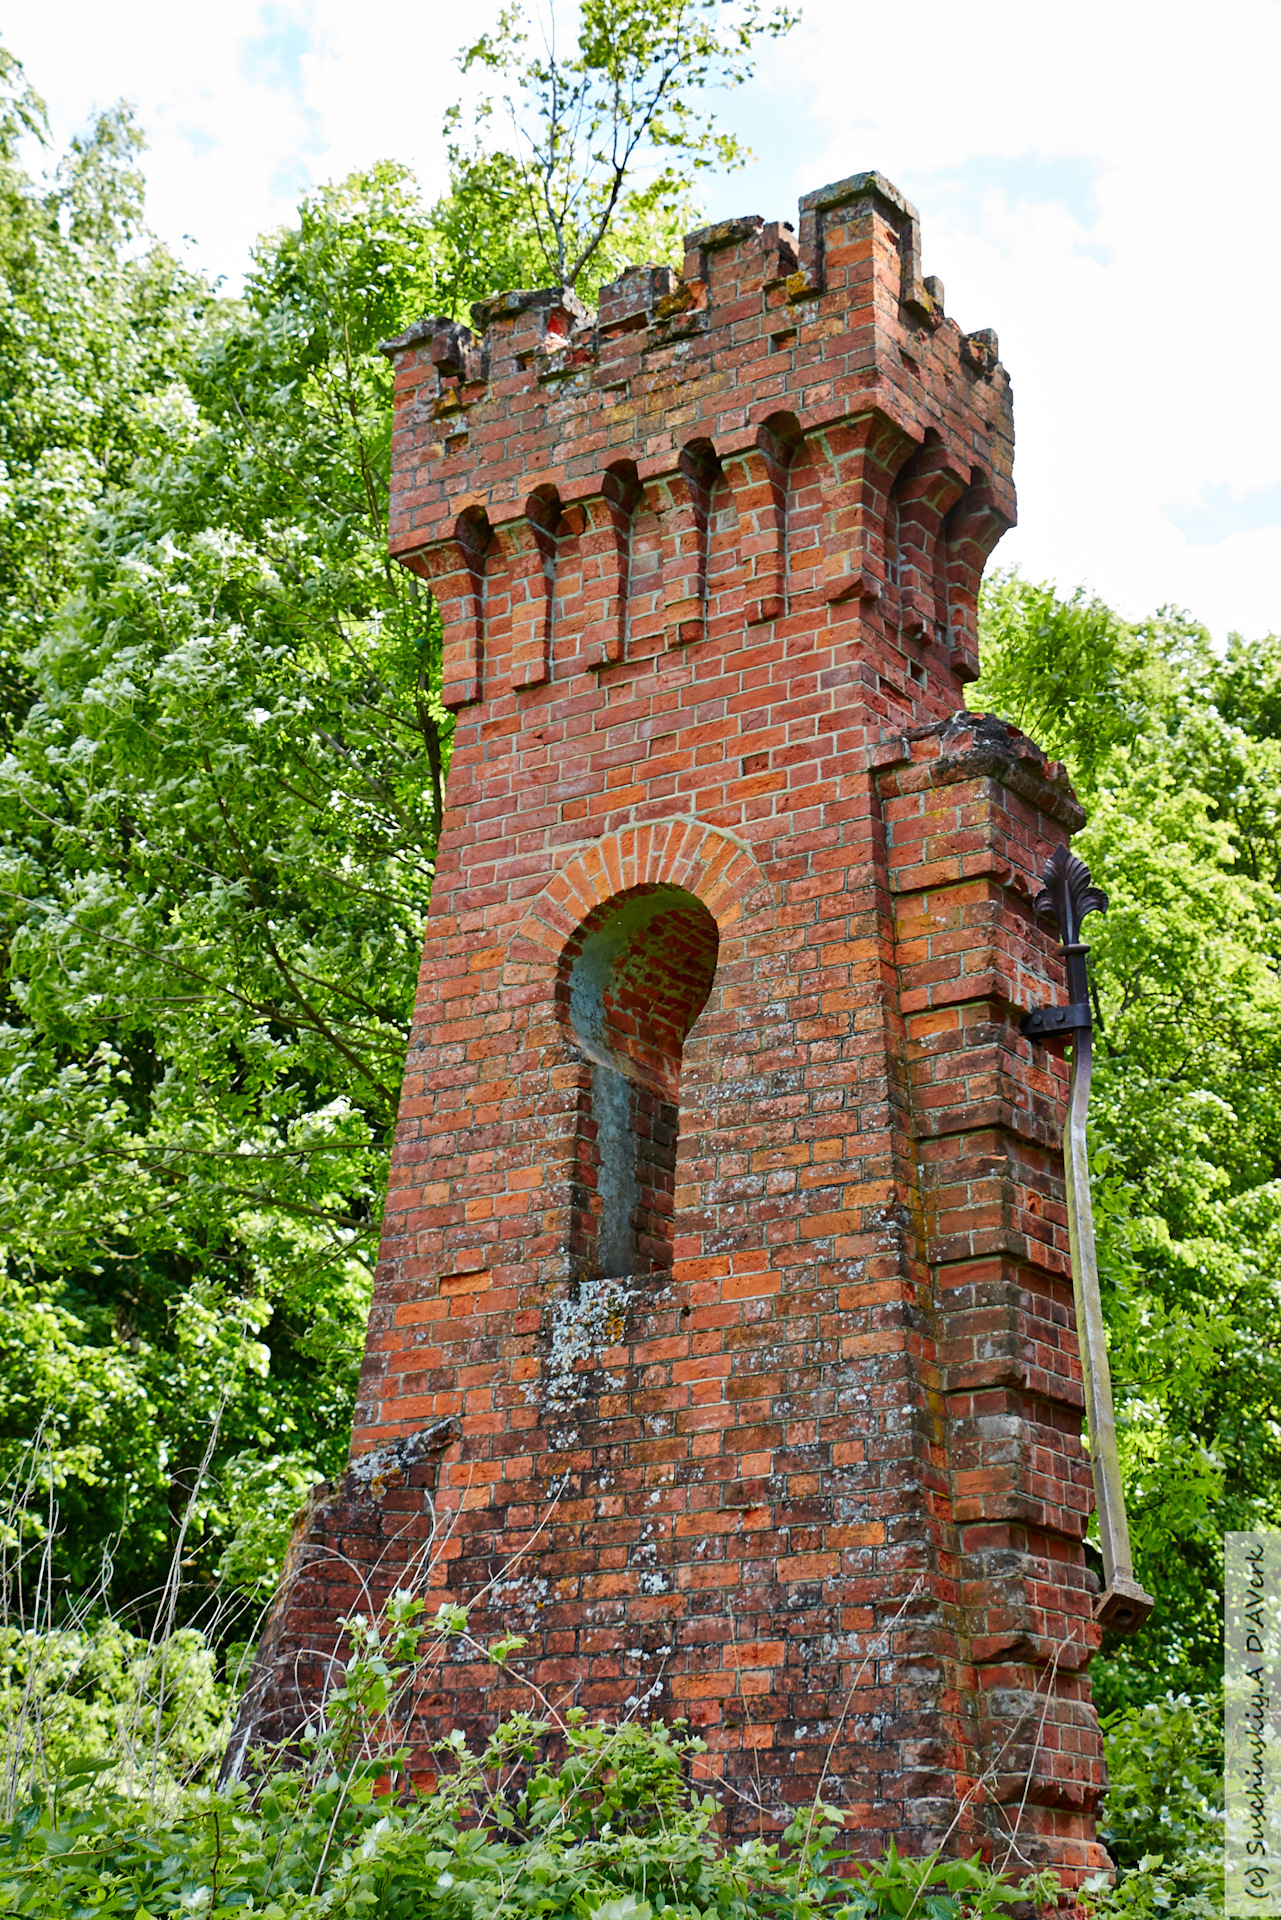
712	865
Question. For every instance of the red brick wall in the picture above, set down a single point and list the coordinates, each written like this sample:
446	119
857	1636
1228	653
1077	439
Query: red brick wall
811	1473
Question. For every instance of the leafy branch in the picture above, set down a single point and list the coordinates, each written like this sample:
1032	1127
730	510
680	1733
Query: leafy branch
630	95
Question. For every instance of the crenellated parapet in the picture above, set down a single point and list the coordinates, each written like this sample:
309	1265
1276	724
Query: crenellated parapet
809	385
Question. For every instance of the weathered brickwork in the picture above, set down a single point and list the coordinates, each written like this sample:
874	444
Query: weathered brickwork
723	1324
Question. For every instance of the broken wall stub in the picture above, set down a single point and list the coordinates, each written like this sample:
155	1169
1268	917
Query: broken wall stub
723	1321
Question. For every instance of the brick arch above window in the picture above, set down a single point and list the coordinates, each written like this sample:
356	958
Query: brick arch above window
712	865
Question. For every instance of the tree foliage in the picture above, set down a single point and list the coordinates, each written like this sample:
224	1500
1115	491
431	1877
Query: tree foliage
606	139
221	789
93	331
1175	750
1162	1821
218	825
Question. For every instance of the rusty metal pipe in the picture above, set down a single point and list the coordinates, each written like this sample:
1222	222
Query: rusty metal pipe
1067	897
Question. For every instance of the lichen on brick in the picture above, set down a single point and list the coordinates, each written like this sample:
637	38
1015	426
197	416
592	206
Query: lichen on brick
590	1319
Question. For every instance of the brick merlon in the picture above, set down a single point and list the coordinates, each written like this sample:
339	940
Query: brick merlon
822	326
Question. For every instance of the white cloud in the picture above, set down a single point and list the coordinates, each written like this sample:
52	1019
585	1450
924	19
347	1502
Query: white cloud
1095	182
245	105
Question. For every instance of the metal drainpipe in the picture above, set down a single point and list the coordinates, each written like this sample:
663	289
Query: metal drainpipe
1067	897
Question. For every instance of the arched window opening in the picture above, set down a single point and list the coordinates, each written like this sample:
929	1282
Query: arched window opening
639	975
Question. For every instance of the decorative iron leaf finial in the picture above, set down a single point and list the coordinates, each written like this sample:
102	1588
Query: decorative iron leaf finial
1066	895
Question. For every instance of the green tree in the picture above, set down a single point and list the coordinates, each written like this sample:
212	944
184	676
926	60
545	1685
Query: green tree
1174	751
607	140
94	326
218	826
219	812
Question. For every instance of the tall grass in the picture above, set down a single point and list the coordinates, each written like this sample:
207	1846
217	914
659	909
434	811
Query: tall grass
111	1739
144	1708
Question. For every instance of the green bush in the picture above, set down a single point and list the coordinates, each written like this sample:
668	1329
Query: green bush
101	1695
554	1817
614	1832
110	1744
1163	1820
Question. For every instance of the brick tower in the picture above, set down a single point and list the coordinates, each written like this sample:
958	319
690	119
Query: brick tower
724	1316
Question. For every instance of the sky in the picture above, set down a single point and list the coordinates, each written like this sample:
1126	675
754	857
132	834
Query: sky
1098	182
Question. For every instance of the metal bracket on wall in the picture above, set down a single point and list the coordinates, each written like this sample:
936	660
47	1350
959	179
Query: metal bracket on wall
1056	1023
1066	898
